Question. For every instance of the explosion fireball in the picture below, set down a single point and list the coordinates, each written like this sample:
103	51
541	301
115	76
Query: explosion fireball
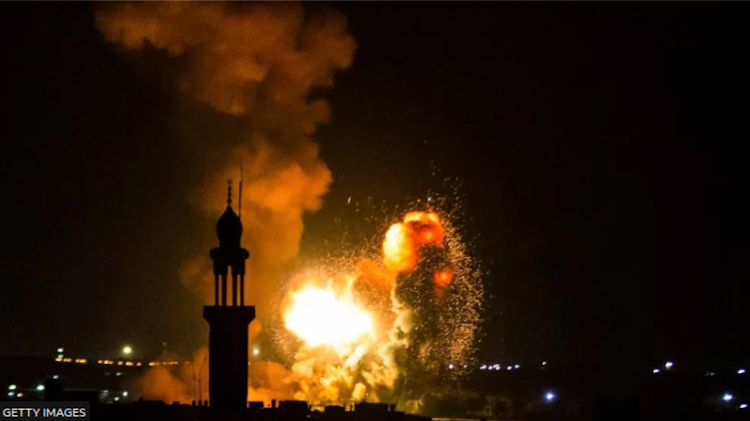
382	330
320	317
375	333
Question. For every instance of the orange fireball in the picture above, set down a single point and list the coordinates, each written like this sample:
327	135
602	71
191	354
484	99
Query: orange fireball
427	226
399	248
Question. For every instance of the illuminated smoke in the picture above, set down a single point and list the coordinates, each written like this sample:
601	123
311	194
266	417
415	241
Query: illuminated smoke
390	328
258	62
255	65
177	383
415	307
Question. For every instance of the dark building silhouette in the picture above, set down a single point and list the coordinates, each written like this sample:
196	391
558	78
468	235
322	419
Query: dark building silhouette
228	323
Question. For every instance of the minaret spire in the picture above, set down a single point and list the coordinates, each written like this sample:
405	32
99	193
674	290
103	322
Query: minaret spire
239	193
228	320
229	193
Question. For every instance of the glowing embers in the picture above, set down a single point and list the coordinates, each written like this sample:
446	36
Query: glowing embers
443	278
321	316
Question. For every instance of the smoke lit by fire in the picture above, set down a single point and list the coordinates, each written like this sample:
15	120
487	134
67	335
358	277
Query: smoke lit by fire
364	333
392	320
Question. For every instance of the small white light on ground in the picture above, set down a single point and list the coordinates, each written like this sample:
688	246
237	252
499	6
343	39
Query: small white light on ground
549	396
727	397
40	387
12	387
484	367
11	394
544	362
125	393
55	377
668	365
656	370
117	398
60	350
256	351
510	368
127	350
517	366
450	366
741	371
743	406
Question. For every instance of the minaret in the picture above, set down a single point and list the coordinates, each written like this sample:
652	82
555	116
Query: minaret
227	348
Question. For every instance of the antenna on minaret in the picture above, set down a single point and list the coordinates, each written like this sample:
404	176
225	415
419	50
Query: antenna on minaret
229	192
239	211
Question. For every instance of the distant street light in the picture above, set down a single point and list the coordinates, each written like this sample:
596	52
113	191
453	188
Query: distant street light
727	397
668	365
40	387
655	371
127	350
60	350
741	371
12	387
549	396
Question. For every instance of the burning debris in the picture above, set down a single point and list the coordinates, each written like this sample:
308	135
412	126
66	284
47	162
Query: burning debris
385	330
375	331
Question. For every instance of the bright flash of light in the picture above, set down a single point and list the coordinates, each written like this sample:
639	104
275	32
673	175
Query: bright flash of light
320	316
12	387
549	396
655	371
668	365
399	248
743	406
727	397
40	387
127	350
741	371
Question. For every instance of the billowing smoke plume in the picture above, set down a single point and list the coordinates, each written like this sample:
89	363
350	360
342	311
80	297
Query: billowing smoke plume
259	62
255	65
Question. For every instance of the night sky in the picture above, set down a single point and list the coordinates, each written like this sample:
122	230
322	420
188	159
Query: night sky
599	173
